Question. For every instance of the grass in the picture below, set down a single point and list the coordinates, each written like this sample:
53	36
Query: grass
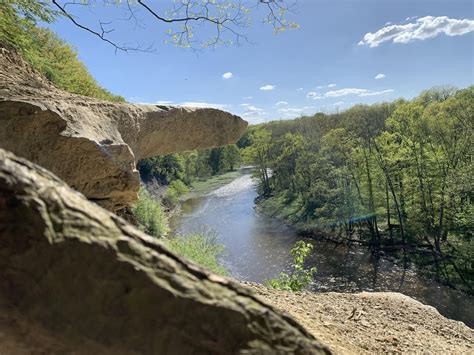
201	248
203	187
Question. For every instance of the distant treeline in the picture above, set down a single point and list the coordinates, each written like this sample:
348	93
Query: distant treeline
189	166
396	176
45	51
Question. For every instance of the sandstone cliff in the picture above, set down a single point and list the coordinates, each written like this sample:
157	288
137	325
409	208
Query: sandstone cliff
84	274
94	145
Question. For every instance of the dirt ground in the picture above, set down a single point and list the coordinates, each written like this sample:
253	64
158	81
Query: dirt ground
367	323
364	323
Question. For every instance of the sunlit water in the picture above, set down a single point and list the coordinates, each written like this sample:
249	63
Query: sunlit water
258	248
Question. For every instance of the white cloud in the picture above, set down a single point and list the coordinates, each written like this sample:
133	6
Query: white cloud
251	110
376	93
291	110
339	103
164	102
299	89
326	86
268	87
313	95
279	103
248	98
379	76
227	75
423	28
354	91
203	105
345	92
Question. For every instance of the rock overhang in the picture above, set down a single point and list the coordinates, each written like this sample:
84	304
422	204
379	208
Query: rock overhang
94	145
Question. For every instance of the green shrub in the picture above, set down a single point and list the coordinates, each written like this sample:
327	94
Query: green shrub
300	277
176	189
150	215
201	248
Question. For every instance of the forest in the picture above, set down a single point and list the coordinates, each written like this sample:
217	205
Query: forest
368	210
396	177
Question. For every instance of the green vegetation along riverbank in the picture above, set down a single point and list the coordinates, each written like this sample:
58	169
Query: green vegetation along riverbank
394	176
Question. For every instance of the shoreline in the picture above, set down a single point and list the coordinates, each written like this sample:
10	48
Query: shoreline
269	207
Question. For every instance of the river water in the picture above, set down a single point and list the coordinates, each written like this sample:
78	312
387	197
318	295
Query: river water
258	248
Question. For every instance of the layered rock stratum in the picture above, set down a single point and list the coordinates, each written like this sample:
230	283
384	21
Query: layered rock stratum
94	145
86	277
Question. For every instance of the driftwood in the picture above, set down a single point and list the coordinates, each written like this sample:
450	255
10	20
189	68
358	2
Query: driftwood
84	273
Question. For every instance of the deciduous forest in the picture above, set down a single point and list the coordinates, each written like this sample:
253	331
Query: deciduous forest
394	176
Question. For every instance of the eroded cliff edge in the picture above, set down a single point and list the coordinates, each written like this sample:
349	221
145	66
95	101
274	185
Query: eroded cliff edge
94	145
84	274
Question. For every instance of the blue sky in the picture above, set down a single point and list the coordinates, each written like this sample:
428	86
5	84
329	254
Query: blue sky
330	63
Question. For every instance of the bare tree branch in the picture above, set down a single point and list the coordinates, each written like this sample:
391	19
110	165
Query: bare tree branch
227	17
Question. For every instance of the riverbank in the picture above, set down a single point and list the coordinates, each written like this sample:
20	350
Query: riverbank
420	256
367	323
203	187
257	248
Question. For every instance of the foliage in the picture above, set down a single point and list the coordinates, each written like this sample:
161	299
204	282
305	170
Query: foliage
392	175
164	169
201	248
176	189
150	215
48	54
300	277
190	166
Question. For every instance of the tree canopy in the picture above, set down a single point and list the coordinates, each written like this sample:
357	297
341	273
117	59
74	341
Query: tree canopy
396	176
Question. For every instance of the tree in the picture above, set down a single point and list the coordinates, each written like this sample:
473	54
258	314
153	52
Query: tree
183	20
259	154
396	176
231	156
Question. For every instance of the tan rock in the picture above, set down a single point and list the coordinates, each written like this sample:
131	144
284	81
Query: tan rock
94	145
90	280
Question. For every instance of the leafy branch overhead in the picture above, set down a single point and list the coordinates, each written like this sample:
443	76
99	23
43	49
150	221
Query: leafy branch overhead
193	24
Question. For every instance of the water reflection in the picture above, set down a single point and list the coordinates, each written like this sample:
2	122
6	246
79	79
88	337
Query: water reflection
258	248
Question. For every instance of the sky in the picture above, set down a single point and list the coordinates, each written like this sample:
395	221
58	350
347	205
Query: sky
343	53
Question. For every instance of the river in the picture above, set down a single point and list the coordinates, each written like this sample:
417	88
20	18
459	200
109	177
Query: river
258	248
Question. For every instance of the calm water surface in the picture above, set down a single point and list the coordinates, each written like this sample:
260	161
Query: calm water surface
258	248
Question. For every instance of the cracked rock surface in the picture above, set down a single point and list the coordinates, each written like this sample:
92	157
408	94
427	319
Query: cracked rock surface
86	277
94	145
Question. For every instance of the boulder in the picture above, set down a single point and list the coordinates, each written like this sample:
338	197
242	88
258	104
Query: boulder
85	274
94	145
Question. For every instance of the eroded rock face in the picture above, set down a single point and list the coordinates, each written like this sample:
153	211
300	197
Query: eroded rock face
94	145
84	273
